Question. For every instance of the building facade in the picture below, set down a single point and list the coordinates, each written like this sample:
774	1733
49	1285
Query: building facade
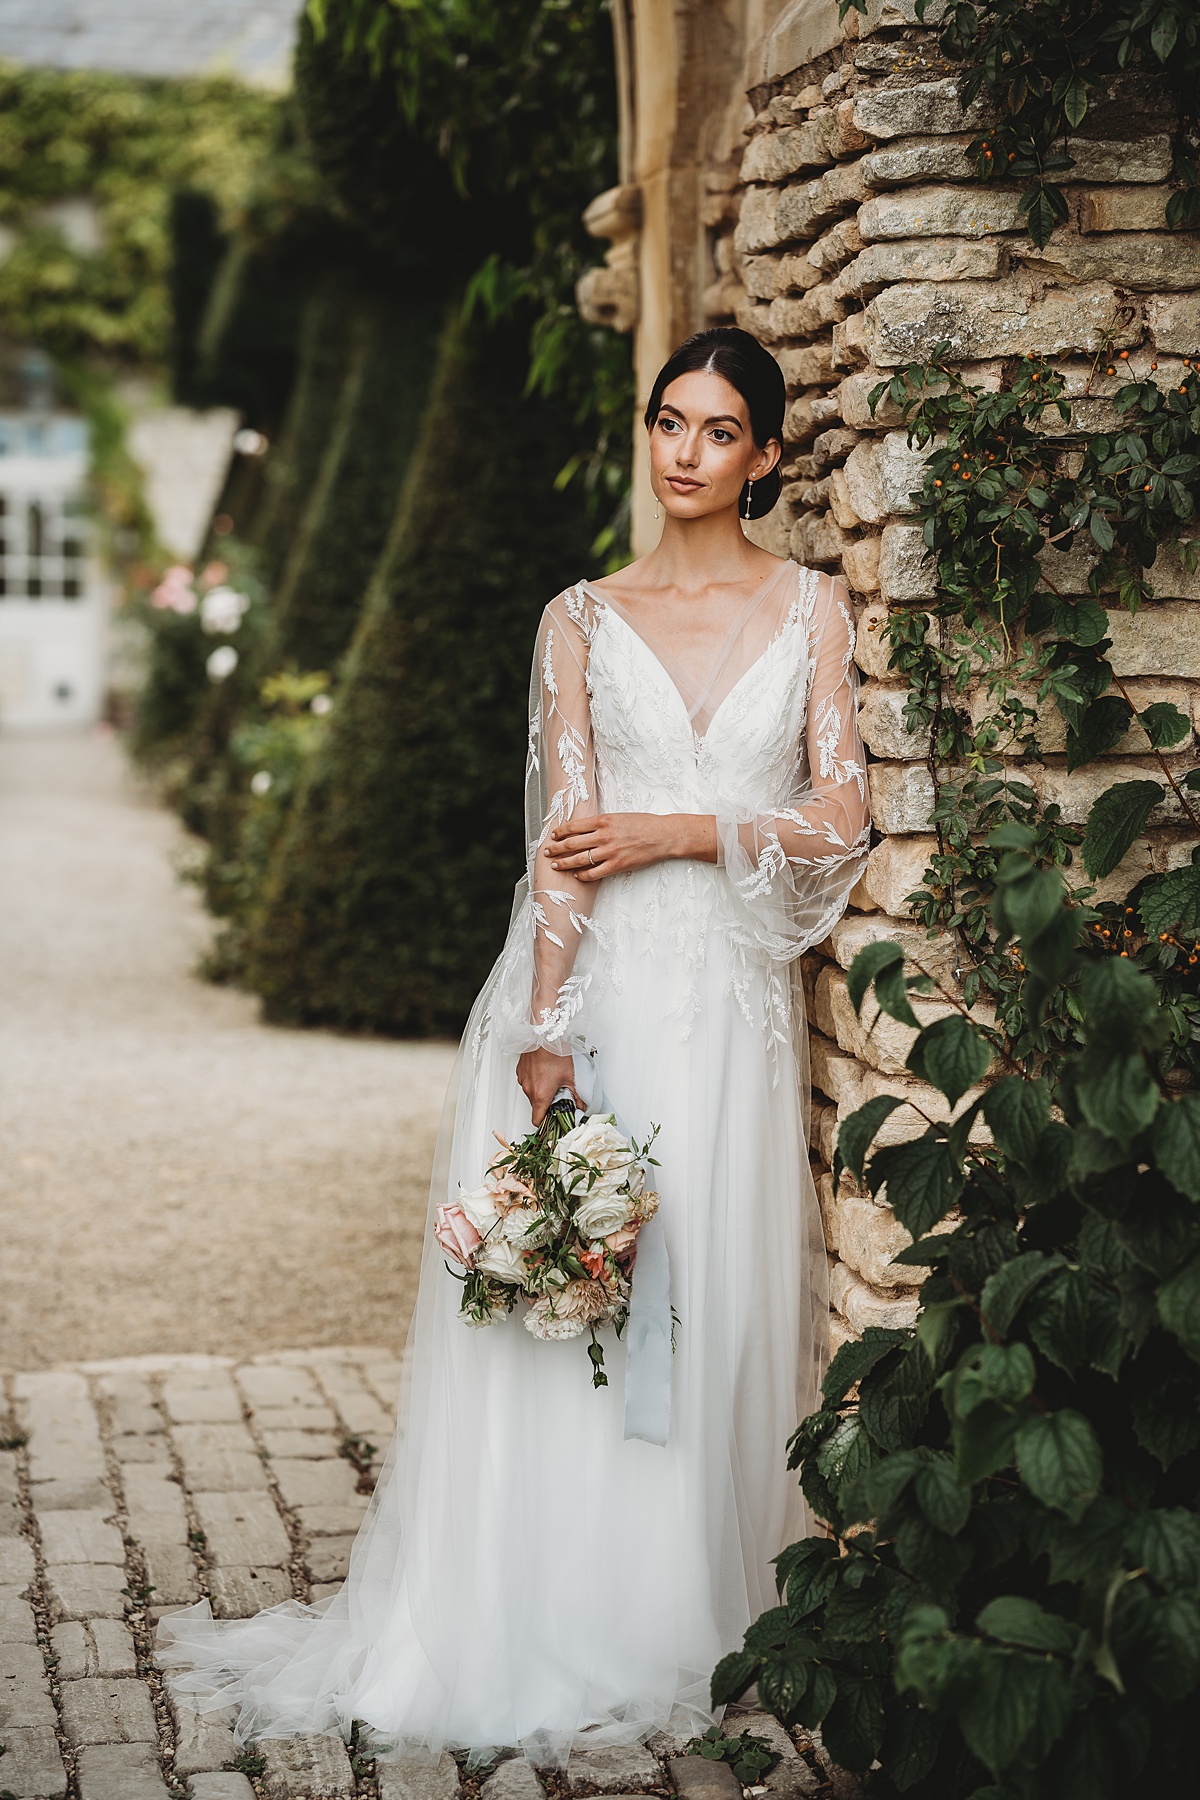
808	179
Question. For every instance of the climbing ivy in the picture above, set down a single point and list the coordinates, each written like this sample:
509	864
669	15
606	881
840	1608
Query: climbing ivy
1043	67
1014	504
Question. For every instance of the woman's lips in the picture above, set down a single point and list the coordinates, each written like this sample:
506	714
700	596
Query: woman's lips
682	485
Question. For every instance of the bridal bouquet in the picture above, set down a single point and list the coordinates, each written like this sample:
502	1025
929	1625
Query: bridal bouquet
555	1223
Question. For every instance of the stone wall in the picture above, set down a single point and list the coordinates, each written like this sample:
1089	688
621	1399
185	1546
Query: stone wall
847	232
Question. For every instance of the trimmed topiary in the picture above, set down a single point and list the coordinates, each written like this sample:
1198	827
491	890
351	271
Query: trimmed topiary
390	893
352	503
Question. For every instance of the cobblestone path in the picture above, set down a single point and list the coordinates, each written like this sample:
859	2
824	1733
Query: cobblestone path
174	1175
131	1487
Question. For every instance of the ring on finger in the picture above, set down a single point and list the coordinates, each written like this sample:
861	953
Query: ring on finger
591	859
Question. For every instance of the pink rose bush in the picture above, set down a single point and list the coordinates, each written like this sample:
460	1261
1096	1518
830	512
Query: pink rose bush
555	1224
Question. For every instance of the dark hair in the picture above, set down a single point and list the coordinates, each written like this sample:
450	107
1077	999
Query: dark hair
741	361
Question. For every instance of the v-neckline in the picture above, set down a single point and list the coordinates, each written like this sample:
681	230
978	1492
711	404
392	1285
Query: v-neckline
792	613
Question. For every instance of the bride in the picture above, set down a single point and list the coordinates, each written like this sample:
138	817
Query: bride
528	1575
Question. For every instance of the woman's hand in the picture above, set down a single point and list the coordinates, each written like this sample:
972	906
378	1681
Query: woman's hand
541	1074
590	849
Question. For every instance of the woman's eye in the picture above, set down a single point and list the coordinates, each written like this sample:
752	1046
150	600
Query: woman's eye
722	437
668	424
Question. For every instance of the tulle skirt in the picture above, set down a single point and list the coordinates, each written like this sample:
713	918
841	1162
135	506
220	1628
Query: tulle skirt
526	1576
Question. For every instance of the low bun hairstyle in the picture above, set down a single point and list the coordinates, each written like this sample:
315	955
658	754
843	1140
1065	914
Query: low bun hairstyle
741	361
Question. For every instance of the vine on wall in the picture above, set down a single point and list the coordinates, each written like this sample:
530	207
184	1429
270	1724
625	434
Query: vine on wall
1009	487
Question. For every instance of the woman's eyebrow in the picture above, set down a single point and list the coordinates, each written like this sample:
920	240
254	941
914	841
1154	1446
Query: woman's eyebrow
716	419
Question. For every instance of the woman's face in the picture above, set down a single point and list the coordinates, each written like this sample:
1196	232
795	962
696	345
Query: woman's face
702	450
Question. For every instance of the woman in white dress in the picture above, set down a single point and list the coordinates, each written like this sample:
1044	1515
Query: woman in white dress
528	1575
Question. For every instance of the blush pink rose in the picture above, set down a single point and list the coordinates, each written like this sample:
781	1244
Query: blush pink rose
623	1243
456	1234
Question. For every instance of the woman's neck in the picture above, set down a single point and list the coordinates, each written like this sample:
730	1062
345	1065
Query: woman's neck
694	554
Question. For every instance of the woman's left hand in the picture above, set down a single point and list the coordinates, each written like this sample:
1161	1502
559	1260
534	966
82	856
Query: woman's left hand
612	843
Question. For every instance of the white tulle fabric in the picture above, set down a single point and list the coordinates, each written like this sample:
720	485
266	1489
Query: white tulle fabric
526	1576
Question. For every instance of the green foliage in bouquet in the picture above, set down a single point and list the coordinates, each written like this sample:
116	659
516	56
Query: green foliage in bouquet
388	900
1008	1604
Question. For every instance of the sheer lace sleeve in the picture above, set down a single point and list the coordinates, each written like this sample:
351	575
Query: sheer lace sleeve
791	871
560	784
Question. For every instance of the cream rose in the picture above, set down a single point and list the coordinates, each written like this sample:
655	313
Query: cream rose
502	1260
597	1140
600	1213
479	1204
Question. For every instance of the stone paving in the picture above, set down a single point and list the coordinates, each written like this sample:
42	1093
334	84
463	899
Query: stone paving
131	1487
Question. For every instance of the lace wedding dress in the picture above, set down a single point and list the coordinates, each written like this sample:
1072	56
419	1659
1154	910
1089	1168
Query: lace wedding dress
526	1575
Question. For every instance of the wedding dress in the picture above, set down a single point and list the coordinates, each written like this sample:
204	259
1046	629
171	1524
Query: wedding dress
526	1576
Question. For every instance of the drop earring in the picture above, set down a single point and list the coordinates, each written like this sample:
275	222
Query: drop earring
657	507
749	496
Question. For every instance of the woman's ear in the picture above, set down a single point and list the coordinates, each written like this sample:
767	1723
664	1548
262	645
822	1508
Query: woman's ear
769	458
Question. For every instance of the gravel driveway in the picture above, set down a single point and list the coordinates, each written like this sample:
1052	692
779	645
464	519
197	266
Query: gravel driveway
174	1175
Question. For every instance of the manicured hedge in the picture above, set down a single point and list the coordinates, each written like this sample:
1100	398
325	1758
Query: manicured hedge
389	896
353	499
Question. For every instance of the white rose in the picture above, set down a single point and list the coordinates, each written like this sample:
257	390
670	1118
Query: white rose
479	1204
597	1140
221	609
500	1259
601	1213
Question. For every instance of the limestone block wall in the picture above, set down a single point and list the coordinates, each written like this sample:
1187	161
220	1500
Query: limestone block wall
848	233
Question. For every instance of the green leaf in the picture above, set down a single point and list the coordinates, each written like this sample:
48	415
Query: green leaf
1163	34
910	1746
1001	1707
857	1358
1042	216
1059	1460
951	1054
1164	724
1005	1292
782	1683
1016	1620
846	1453
1056	1318
854	1725
1116	1091
857	1132
983	1442
894	1399
1179	1306
1017	1112
923	1181
891	991
1073	99
943	1499
1117	818
1122	1004
1167	1542
732	1676
1007	1372
822	1691
1102	726
1172	902
870	962
1175	1143
1098	524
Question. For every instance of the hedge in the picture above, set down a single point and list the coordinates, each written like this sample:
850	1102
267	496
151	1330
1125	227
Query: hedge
392	885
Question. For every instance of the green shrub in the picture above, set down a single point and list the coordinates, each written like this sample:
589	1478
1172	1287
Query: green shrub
1009	1604
390	895
353	499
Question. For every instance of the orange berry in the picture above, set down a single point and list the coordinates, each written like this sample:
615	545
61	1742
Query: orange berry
937	484
1110	370
1124	356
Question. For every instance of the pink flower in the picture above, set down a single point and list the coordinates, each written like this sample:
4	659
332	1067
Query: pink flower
594	1262
456	1234
623	1243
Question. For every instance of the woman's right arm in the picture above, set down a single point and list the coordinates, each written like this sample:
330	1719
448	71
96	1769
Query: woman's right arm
560	784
